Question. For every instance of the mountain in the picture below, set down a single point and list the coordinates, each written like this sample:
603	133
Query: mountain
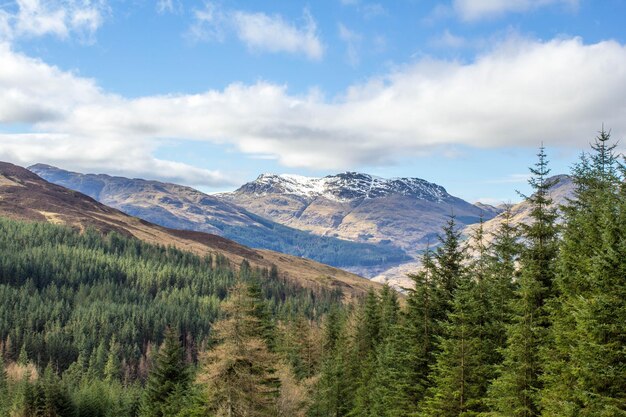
26	196
561	191
408	212
179	207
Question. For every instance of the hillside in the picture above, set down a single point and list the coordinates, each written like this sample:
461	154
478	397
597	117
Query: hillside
561	190
26	196
179	207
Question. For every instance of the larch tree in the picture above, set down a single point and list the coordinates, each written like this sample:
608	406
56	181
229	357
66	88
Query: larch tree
238	372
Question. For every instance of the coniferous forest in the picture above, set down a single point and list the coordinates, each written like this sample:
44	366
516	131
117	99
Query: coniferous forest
530	321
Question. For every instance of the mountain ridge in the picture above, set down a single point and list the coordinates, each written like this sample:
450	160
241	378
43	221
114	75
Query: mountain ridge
26	196
181	207
344	186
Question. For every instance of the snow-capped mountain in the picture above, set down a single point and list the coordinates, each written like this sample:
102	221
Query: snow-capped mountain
406	212
344	187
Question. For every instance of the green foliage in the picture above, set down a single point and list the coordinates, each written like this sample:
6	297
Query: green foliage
324	249
168	381
517	390
586	373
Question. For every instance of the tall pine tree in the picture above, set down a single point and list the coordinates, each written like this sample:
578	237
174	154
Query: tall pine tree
516	391
587	364
168	377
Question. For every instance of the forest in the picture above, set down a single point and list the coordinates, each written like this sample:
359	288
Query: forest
528	322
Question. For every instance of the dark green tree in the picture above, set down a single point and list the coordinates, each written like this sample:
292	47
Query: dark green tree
516	391
170	374
586	367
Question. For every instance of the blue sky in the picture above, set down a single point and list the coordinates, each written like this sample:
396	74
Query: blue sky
211	94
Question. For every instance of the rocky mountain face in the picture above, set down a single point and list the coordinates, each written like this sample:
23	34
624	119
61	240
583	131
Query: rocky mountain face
406	211
179	207
26	196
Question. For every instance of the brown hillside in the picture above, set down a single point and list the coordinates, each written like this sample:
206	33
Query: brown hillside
26	196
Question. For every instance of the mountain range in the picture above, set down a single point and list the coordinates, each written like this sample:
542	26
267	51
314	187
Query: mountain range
179	207
355	221
407	212
26	196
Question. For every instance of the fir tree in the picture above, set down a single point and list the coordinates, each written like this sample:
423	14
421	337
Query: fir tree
449	258
516	391
424	311
4	388
112	368
587	366
169	375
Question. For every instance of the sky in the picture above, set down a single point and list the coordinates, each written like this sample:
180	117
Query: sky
212	93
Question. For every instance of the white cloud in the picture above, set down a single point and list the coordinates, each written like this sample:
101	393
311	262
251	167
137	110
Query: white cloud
260	32
352	40
164	6
449	40
480	9
60	18
519	94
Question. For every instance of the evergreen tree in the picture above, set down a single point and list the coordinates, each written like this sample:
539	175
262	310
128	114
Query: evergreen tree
425	309
334	392
502	274
456	373
449	260
112	368
238	372
587	365
169	375
4	388
516	391
54	399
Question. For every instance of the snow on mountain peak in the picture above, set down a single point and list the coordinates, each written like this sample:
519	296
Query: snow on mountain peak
343	187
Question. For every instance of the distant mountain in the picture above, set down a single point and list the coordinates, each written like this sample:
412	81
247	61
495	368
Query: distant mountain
406	211
181	207
26	196
561	191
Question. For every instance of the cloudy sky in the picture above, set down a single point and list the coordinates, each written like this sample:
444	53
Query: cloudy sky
210	94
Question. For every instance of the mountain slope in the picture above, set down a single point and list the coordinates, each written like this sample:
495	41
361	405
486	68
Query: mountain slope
406	211
26	196
181	207
561	190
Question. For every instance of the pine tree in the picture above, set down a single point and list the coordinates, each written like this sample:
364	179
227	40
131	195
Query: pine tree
169	375
367	339
587	366
455	373
502	274
334	391
113	367
393	392
516	391
425	309
449	258
238	372
4	388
